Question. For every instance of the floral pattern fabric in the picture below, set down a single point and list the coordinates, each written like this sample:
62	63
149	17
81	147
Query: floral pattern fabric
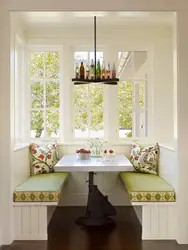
152	196
43	158
145	160
36	196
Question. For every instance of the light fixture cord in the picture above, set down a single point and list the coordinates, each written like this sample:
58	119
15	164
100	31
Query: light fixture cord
95	49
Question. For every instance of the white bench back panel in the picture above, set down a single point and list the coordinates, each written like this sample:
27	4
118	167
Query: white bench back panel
167	166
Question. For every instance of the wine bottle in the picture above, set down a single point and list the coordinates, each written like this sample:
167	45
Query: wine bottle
103	70
108	72
92	69
82	71
77	75
98	71
114	71
87	71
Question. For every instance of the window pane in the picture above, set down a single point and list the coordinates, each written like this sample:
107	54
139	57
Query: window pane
80	56
37	124
125	94
125	123
97	125
81	123
52	123
99	56
37	65
142	94
52	64
37	95
96	96
52	95
81	96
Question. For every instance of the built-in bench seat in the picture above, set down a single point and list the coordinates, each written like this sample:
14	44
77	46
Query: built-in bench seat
153	200
41	188
147	188
34	202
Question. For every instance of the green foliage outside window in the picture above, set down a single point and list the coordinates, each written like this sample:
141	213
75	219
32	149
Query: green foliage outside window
88	99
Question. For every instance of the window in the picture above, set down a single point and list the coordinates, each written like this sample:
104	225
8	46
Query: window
132	98
132	109
44	76
89	103
86	110
20	110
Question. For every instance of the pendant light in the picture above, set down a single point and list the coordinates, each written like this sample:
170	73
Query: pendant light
109	81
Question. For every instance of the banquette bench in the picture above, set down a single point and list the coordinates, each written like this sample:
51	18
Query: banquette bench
157	201
32	200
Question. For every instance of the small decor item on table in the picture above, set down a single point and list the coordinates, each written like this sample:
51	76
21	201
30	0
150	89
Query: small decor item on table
145	159
83	154
43	158
96	146
108	153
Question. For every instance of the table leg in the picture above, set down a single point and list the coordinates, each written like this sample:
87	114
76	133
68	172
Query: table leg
98	207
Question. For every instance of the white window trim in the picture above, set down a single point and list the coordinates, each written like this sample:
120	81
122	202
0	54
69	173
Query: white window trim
43	48
69	138
20	133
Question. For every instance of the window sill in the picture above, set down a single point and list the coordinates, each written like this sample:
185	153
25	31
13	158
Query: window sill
20	146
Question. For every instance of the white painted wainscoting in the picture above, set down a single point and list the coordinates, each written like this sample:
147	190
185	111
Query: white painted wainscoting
158	220
31	220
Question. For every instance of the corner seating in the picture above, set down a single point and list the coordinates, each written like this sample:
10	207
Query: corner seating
157	199
31	200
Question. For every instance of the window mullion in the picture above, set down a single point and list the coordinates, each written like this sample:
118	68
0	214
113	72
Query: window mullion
89	112
45	132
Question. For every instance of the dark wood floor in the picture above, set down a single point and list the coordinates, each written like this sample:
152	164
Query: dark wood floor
64	234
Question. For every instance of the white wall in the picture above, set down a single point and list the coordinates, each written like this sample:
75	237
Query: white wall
163	93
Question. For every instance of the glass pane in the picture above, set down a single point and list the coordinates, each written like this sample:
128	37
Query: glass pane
52	123
99	56
96	96
81	56
81	96
81	123
142	94
52	95
37	65
125	123
52	65
37	95
96	123
125	94
37	124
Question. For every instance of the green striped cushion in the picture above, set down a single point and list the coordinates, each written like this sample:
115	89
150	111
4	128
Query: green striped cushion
147	187
41	188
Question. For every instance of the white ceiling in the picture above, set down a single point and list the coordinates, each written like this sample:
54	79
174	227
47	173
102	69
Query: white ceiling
84	19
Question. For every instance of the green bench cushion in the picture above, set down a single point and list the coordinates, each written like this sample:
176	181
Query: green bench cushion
41	188
147	187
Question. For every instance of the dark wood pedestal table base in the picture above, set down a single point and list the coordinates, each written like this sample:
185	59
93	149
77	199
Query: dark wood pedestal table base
99	210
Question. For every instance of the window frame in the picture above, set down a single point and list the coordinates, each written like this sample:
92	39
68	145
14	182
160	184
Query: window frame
20	109
111	134
81	139
44	48
137	110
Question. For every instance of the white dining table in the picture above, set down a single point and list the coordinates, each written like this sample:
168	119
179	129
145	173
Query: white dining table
98	210
116	163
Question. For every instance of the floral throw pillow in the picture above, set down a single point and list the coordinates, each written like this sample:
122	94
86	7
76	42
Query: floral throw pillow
43	158
145	160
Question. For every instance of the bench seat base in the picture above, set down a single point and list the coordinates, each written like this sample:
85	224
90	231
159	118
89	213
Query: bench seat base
158	220
31	220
